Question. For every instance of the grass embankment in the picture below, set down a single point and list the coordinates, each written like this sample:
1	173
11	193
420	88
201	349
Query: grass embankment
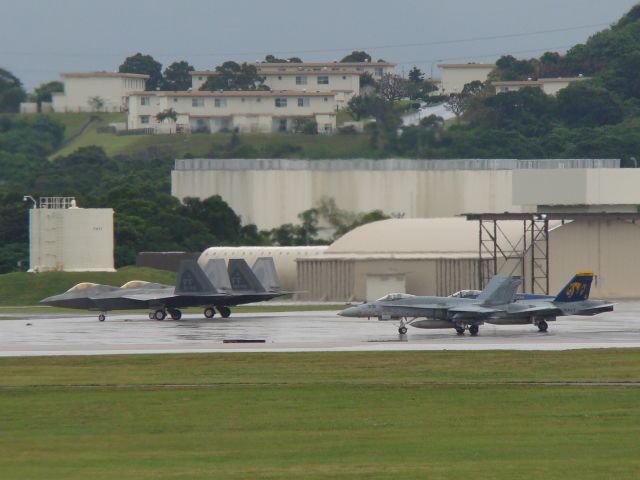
29	288
331	415
204	145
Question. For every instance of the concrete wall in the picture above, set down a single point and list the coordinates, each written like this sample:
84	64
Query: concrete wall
78	90
72	240
345	278
455	77
577	186
249	112
606	248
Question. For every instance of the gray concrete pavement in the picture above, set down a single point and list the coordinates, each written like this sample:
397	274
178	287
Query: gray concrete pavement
22	335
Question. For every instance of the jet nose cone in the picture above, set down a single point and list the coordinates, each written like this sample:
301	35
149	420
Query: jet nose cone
349	312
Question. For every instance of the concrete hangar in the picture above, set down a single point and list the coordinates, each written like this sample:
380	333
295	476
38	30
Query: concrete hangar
562	216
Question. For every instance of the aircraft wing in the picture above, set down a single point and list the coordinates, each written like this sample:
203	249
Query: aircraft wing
473	309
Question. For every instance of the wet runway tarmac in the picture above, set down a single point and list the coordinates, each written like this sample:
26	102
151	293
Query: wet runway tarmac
23	335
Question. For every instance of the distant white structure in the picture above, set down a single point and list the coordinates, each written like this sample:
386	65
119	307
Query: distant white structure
63	237
97	91
550	86
248	111
375	69
345	84
454	76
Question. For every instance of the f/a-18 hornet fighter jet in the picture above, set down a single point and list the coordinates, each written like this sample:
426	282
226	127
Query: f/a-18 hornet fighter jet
496	304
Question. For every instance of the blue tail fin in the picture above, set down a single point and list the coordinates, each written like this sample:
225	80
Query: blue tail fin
577	289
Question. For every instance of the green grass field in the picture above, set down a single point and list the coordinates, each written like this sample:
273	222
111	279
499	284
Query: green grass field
201	145
442	415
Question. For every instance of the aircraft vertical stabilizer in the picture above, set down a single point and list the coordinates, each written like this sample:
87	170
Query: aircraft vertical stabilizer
577	289
216	272
500	290
242	277
265	269
191	280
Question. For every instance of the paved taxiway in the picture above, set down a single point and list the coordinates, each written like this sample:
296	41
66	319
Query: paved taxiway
22	335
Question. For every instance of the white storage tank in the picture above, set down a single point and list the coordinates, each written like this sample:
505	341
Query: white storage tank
63	237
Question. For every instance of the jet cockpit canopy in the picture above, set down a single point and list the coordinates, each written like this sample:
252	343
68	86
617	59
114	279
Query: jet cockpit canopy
395	296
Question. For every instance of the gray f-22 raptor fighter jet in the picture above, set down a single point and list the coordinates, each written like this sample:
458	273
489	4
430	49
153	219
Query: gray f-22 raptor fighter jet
496	304
192	288
215	288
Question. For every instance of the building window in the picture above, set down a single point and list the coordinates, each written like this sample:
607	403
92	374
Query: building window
145	101
281	102
303	101
326	99
197	102
344	77
258	100
175	99
379	71
200	79
323	80
279	77
220	102
144	119
282	125
301	80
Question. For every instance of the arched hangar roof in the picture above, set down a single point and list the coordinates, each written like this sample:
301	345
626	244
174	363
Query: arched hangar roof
454	235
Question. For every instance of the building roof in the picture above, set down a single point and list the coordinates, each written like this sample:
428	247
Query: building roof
211	73
324	64
539	81
236	93
105	75
466	65
453	236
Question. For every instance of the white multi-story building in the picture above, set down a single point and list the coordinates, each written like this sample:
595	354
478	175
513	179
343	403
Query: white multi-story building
344	83
375	69
246	111
454	76
550	86
93	91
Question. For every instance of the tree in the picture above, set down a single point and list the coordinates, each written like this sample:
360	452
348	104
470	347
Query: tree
357	56
177	76
11	92
96	103
392	87
367	80
458	103
232	76
44	91
272	59
308	126
584	105
416	76
145	65
169	113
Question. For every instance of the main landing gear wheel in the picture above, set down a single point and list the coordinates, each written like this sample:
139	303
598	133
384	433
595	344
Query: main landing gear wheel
402	330
542	326
224	311
159	315
102	317
460	330
474	329
209	312
175	314
151	316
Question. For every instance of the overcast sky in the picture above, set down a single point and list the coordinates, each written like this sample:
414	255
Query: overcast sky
41	38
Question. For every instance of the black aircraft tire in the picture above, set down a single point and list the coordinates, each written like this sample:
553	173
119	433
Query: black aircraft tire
225	312
102	317
159	315
175	314
473	330
402	330
460	330
209	312
543	326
